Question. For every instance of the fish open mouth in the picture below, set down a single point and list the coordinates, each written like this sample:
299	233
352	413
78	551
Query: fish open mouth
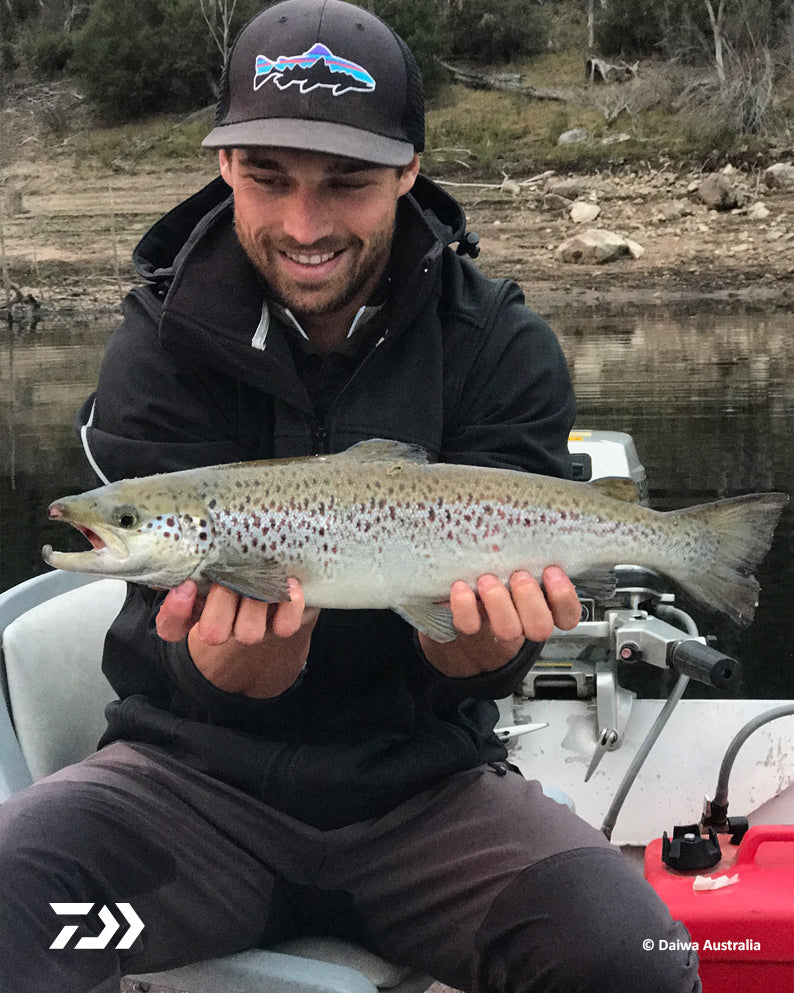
106	545
97	543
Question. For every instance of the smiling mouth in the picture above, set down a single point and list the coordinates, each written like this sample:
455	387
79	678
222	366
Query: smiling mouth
311	259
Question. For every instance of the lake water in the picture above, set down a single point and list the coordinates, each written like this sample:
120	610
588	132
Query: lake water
707	395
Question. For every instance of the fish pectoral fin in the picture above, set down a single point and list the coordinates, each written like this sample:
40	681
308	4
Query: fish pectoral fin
432	619
384	450
265	579
599	584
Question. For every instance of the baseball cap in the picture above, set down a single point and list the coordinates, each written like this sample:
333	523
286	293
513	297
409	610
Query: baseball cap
324	76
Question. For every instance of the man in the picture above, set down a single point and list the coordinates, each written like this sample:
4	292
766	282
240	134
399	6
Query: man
269	771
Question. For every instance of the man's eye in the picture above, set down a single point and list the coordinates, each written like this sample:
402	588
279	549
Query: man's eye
348	185
270	182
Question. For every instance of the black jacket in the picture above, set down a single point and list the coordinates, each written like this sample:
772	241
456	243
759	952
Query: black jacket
455	363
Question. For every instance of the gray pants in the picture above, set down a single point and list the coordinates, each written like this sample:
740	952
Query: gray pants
482	882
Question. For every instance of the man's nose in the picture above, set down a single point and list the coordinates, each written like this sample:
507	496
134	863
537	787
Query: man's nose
306	218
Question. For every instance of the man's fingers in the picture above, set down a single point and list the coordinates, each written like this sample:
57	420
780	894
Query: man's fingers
227	615
251	621
175	617
497	599
531	605
465	608
290	615
561	597
216	623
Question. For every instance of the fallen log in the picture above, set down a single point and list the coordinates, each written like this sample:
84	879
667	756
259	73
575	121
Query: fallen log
600	71
510	81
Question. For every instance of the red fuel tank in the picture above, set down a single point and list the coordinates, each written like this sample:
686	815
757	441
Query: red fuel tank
744	932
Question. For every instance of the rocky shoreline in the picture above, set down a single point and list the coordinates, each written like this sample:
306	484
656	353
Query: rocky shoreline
673	237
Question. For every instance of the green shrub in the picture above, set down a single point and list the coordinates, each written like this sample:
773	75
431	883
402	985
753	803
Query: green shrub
487	32
135	59
48	52
423	28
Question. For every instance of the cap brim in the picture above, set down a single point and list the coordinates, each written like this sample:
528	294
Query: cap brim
312	136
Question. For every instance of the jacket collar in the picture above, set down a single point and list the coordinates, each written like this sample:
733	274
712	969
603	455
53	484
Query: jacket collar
213	297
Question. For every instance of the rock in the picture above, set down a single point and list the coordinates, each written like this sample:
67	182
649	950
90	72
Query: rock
758	212
597	245
511	186
616	139
573	137
780	176
717	192
673	210
553	201
569	188
583	212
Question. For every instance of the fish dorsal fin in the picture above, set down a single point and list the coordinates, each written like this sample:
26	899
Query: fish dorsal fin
617	487
384	450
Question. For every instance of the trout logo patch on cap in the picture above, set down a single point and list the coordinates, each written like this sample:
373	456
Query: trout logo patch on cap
317	67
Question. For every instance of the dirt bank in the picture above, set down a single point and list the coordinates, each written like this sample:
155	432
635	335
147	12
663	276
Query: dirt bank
69	232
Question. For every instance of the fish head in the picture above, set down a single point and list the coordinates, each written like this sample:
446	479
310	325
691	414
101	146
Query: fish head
149	530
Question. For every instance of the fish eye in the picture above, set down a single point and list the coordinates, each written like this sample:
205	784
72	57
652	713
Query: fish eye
126	518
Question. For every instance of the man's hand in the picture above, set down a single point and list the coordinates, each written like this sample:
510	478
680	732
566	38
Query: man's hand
238	644
494	621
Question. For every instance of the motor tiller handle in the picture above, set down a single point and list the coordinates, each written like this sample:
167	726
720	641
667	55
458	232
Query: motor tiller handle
705	664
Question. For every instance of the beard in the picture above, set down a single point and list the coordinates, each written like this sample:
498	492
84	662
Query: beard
352	282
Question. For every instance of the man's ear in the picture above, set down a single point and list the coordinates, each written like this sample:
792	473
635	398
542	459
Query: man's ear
225	162
408	176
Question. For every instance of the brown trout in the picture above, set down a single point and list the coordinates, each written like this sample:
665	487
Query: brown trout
377	526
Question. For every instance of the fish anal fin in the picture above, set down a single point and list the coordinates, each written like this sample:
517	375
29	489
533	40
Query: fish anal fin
432	619
617	487
264	580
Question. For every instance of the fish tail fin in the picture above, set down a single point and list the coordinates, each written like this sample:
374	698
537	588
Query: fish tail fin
743	528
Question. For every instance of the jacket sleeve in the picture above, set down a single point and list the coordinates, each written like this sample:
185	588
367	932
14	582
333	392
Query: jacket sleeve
511	404
150	414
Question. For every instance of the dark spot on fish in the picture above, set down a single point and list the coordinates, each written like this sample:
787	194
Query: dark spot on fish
203	536
393	512
213	504
431	514
171	522
202	523
321	531
187	518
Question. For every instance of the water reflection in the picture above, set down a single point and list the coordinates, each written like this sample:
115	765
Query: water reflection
707	396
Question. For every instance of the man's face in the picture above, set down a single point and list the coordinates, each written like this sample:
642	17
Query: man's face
317	227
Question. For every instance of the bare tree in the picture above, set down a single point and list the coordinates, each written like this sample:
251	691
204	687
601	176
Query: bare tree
218	14
716	21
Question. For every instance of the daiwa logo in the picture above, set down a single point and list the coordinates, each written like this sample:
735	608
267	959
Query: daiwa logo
111	926
317	67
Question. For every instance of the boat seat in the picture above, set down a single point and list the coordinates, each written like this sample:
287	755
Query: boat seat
52	703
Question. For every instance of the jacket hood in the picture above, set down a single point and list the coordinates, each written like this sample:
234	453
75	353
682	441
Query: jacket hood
157	254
